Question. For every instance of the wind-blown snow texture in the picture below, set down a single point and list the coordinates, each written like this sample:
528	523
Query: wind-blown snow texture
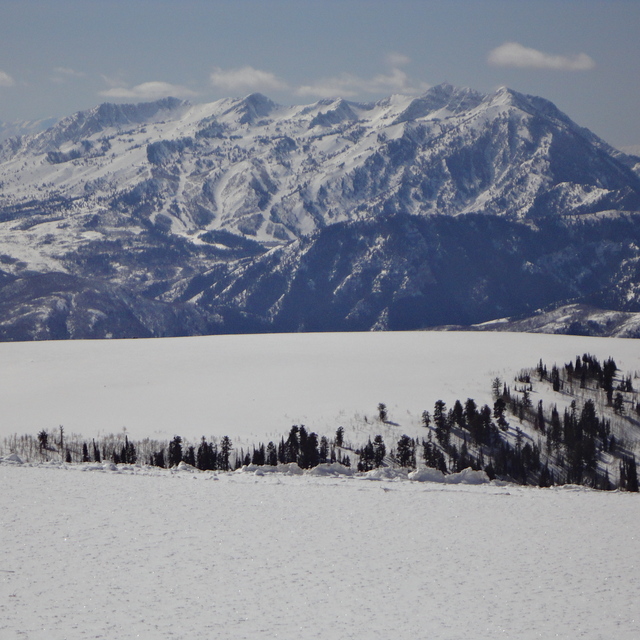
132	220
179	555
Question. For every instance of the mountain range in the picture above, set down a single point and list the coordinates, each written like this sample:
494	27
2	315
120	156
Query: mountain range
454	208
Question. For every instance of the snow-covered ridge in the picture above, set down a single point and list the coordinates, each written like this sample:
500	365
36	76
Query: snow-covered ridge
274	172
138	220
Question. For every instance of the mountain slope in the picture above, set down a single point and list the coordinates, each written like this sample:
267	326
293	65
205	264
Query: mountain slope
176	203
408	272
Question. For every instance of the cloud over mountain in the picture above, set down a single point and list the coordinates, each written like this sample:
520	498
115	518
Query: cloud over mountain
513	54
395	80
149	91
245	78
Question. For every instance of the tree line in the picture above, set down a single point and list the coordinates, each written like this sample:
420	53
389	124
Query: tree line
561	447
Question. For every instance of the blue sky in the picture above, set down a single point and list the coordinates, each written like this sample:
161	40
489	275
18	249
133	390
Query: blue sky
61	56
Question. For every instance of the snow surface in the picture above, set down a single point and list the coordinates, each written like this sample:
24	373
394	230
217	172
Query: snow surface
254	387
103	551
148	553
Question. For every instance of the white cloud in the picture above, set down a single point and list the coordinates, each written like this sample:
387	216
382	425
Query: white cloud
62	74
149	91
344	85
6	80
245	79
347	85
395	59
513	54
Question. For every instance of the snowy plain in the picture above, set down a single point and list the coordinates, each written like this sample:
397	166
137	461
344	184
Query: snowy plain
255	387
99	551
156	554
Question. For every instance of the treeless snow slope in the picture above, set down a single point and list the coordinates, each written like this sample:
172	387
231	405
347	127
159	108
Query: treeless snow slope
106	555
255	387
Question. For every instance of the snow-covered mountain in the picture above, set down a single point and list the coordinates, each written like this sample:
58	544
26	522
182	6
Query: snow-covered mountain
170	202
25	127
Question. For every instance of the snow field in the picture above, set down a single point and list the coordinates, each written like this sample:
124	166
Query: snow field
254	387
198	555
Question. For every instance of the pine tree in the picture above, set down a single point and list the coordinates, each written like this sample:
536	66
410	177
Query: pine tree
555	378
272	455
406	451
629	474
96	452
225	452
379	451
441	423
175	451
292	449
618	404
499	407
324	449
203	456
608	372
190	456
366	462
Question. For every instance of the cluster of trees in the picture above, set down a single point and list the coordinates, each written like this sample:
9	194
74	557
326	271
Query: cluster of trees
560	448
568	445
305	448
208	456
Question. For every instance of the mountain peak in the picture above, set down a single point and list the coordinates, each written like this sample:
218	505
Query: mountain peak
443	97
252	107
84	124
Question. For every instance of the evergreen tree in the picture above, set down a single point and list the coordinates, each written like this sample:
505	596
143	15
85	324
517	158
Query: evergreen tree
301	458
339	436
272	455
379	451
128	453
225	452
96	452
292	450
539	423
203	456
618	404
629	474
555	378
312	455
382	412
556	426
406	452
175	451
190	456
85	452
441	423
499	407
367	455
324	449
608	372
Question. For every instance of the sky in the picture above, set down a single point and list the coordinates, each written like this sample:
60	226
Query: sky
61	56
